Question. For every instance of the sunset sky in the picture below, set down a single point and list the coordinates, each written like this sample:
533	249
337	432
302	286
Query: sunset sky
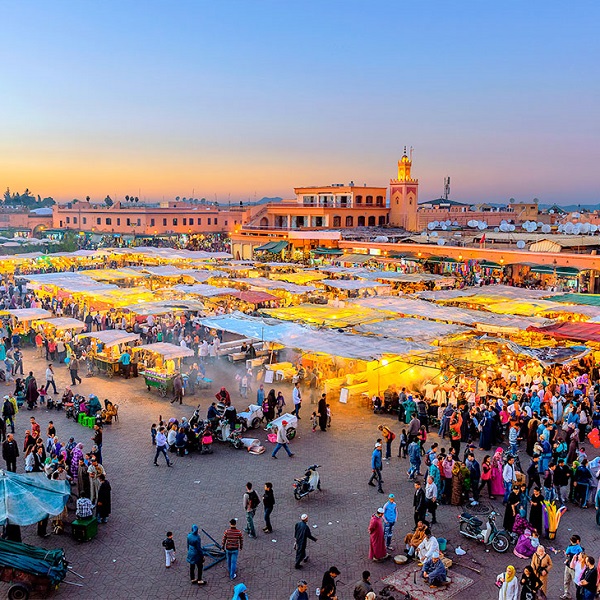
237	98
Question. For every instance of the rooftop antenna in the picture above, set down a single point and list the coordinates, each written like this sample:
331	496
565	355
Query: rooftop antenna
411	151
405	150
446	187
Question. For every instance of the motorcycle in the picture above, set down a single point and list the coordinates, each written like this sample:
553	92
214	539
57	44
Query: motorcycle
195	418
228	433
252	417
75	408
471	527
307	484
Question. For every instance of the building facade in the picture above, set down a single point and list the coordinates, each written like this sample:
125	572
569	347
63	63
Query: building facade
146	219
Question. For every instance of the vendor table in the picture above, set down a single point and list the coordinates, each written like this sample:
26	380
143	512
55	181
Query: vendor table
163	382
107	366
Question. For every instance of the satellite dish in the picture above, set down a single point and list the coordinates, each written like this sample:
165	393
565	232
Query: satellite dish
546	228
569	228
481	225
444	227
520	244
525	226
448	222
503	222
533	226
441	242
540	224
434	234
455	224
511	227
577	228
593	228
576	215
551	211
496	229
585	227
432	225
560	228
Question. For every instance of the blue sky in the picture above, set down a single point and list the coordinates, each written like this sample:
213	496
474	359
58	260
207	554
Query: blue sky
235	99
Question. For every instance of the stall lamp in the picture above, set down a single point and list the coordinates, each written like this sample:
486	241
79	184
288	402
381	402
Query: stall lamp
384	362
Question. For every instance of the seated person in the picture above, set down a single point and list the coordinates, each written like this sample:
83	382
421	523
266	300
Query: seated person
109	411
93	405
428	547
527	544
67	396
434	571
413	539
377	406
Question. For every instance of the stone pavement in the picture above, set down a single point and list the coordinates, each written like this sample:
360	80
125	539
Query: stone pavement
127	560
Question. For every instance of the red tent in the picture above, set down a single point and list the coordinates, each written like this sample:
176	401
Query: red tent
583	332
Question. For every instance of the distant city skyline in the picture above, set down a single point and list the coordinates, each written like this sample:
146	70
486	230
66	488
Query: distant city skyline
249	99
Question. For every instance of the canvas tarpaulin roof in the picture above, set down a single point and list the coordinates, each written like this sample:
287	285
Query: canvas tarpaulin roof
168	351
353	284
589	299
271	284
407	277
27	499
164	307
254	297
204	289
411	329
299	277
273	247
112	337
330	316
357	259
500	292
62	323
293	335
484	321
585	332
548	356
29	314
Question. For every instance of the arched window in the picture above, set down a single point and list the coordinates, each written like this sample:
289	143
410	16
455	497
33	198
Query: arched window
349	221
379	201
382	220
337	221
369	200
358	199
361	221
264	222
371	221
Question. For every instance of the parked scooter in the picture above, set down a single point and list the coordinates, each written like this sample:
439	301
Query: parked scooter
228	433
307	484
470	527
195	418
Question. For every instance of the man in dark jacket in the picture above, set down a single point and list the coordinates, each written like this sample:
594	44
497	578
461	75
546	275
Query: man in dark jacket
302	534
363	587
328	585
8	413
10	453
103	504
419	503
475	475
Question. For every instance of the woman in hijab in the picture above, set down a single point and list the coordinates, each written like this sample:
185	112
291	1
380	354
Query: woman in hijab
31	391
536	516
239	592
75	456
497	482
530	584
195	555
509	589
322	412
512	509
272	400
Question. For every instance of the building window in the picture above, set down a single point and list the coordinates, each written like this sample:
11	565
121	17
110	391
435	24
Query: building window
68	219
128	222
61	223
361	221
84	220
191	221
349	221
369	200
358	199
174	221
164	222
209	220
226	223
75	220
216	221
139	222
184	221
344	201
199	221
337	221
118	220
371	221
108	221
98	221
379	201
151	222
381	220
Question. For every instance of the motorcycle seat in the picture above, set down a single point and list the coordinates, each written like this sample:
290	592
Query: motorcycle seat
299	479
472	519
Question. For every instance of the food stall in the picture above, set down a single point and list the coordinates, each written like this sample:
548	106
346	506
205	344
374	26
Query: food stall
160	363
106	349
21	321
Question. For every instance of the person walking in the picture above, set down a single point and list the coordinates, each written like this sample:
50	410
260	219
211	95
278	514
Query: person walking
233	542
541	563
322	412
475	473
573	549
390	516
10	453
297	397
177	389
50	379
195	556
282	441
97	439
377	549
302	534
125	363
376	466
74	369
169	545
431	496
161	446
268	504
388	437
8	413
251	502
328	584
301	591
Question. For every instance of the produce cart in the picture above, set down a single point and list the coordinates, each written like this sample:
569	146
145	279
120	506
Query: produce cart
29	569
161	362
106	366
290	429
163	382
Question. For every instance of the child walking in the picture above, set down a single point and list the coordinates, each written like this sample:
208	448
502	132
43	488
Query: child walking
402	450
169	545
314	421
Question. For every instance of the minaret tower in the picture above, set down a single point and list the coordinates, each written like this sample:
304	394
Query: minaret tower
404	194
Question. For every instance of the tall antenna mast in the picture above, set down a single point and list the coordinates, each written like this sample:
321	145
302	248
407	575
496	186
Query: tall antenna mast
411	151
446	187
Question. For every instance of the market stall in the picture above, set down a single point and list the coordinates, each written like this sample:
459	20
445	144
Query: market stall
160	363
105	349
